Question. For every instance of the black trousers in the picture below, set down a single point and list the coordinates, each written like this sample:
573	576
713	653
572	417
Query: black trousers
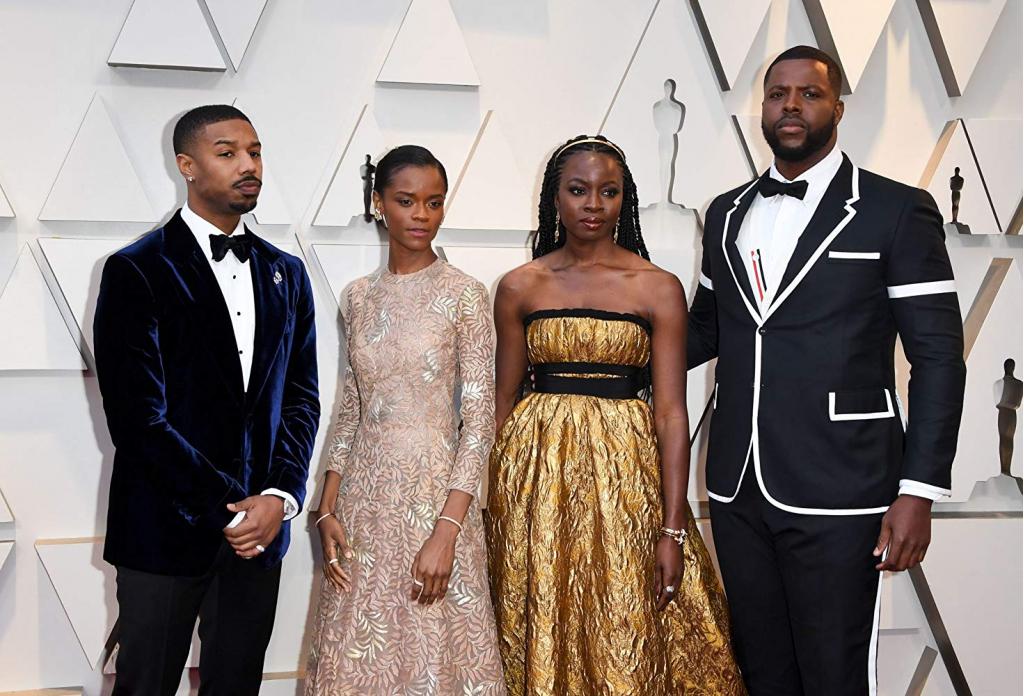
803	595
235	602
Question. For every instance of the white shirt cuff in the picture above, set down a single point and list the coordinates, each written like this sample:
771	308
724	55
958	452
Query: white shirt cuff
922	490
291	507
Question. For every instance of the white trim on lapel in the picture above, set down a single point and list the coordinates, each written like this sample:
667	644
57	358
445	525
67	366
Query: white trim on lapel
851	212
725	251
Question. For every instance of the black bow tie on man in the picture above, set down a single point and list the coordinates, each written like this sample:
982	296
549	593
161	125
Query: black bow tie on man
769	187
239	244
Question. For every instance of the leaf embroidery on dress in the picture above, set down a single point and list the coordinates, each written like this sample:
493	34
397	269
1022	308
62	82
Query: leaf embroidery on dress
445	306
381	326
433	366
370	638
472	390
420	515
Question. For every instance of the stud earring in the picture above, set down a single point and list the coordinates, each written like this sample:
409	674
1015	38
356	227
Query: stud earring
190	179
377	215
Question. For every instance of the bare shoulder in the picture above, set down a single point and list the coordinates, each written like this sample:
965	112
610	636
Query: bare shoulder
522	279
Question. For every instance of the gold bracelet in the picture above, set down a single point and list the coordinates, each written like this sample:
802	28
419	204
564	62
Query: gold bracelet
676	535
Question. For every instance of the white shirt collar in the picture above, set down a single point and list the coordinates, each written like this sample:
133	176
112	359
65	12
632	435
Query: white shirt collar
202	229
817	177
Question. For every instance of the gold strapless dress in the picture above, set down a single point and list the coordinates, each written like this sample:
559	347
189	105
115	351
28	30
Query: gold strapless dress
574	511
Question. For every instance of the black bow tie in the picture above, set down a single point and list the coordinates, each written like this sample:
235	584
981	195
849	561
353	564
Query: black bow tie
240	244
769	187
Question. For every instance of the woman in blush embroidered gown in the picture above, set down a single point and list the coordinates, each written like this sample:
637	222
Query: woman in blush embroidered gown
404	605
601	582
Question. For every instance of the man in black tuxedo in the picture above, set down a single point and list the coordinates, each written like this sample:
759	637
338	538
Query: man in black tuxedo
206	358
816	485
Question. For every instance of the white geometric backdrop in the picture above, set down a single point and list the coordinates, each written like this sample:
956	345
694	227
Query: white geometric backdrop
92	88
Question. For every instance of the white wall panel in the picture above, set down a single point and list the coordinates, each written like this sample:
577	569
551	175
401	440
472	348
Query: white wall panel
328	81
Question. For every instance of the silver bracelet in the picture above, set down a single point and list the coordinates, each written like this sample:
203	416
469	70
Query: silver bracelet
321	519
449	519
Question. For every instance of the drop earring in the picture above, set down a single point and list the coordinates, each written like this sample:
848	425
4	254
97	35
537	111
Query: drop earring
558	227
615	234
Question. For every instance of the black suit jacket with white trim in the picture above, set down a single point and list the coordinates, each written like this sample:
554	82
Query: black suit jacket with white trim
805	388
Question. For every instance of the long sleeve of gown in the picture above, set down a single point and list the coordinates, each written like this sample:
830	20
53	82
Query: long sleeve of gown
347	420
476	368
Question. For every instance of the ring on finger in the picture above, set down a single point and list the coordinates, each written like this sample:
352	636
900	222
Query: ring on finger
259	548
670	589
333	561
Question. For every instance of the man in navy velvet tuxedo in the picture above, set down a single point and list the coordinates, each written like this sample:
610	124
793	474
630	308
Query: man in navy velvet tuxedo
206	358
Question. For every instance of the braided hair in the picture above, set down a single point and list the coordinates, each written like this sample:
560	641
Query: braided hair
548	238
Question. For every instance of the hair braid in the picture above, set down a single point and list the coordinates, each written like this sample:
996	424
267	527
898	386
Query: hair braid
551	235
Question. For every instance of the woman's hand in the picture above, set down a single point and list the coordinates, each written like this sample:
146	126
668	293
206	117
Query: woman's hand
432	567
668	571
335	545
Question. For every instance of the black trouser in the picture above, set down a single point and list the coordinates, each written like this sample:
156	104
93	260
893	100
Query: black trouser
803	595
235	602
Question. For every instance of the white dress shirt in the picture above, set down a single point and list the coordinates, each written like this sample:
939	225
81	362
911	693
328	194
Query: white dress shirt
769	234
234	278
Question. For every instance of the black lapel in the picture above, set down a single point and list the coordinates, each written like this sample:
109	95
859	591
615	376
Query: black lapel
736	261
830	212
270	293
212	311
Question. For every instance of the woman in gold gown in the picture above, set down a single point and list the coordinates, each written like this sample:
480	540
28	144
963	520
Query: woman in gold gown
600	579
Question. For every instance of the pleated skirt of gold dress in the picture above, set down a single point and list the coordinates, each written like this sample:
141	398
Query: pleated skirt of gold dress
574	512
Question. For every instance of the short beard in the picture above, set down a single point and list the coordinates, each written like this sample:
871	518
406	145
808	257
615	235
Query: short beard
243	207
815	141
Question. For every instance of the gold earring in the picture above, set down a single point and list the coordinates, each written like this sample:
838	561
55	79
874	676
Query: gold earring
377	215
558	229
615	234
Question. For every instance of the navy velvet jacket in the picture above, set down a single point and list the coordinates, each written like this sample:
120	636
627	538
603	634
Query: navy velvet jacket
189	439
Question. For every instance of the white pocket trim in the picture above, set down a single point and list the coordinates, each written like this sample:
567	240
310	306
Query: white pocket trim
833	416
866	255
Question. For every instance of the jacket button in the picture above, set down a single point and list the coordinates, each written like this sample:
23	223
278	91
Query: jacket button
762	331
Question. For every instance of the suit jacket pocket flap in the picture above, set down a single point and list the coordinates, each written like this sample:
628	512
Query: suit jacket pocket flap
860	404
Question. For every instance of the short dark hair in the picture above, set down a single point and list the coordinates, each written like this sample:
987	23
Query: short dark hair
195	120
401	157
835	73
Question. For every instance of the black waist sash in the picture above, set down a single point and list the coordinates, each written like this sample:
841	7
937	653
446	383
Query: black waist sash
551	378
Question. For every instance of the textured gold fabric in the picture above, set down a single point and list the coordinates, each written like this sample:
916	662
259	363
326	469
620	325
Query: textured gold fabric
574	509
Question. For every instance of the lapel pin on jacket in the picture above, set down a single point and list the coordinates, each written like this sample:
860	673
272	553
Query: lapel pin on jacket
277	278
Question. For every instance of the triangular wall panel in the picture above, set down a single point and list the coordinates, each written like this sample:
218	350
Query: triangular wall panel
343	200
849	32
953	150
85	585
486	264
958	31
271	208
672	49
236	23
35	335
759	154
97	181
77	265
997	145
6	547
999	338
343	263
429	49
6	211
728	28
166	34
472	204
6	516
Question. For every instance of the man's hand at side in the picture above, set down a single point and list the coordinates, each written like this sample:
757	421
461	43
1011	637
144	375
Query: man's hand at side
262	523
906	532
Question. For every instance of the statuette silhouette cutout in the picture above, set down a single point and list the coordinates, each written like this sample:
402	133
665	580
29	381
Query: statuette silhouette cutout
366	171
956	185
668	121
1008	393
